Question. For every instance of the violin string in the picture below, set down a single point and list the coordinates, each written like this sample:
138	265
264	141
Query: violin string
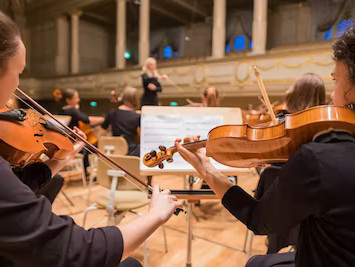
146	187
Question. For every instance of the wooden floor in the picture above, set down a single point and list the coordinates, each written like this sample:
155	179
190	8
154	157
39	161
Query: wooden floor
218	236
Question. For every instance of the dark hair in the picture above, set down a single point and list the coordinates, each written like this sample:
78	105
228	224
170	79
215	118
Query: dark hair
9	35
211	95
344	50
67	94
308	91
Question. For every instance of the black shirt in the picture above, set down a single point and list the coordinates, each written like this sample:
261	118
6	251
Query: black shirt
76	116
316	189
150	97
32	236
124	123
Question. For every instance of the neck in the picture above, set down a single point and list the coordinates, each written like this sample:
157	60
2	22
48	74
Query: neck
125	107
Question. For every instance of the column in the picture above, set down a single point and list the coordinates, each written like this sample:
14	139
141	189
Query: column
75	42
62	56
144	30
219	28
120	33
259	27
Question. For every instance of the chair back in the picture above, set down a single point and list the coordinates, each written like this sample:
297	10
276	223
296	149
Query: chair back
130	163
118	142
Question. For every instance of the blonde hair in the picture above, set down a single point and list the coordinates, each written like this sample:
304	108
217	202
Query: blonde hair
145	68
308	91
210	97
130	97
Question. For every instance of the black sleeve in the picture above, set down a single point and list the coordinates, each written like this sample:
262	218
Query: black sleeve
292	197
147	80
107	121
31	235
81	116
34	175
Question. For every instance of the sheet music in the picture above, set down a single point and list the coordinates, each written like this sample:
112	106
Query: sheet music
159	130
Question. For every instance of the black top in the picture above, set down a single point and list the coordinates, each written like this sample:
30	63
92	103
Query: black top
124	123
76	116
32	236
315	189
150	97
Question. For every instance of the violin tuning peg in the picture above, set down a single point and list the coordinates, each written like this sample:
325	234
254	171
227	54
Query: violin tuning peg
153	153
147	156
161	166
162	148
170	160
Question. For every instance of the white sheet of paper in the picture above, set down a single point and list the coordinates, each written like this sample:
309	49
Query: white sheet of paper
159	130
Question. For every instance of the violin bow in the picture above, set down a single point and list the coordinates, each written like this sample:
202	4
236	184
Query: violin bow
137	182
265	95
130	177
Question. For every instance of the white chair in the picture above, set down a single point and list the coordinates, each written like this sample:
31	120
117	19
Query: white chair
119	144
120	196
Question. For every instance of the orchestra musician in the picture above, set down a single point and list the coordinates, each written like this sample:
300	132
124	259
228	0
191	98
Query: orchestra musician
151	83
31	234
71	107
125	121
314	189
308	91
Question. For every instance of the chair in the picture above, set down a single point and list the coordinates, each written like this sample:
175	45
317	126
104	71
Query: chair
120	146
74	170
120	196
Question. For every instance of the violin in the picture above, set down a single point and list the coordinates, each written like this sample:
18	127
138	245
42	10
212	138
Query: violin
245	146
38	136
44	141
89	132
254	146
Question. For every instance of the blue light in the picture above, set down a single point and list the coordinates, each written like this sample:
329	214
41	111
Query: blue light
93	104
127	55
173	104
168	52
228	48
328	34
251	44
176	54
239	42
344	25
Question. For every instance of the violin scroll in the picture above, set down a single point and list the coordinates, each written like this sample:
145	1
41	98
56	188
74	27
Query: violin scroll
154	158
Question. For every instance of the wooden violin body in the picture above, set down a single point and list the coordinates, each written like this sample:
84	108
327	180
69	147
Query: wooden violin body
89	132
23	141
247	146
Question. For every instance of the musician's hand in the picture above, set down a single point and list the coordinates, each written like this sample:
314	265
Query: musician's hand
79	132
164	77
152	87
197	158
163	204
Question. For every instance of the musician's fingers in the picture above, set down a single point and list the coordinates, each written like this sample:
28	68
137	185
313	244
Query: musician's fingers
166	191
173	197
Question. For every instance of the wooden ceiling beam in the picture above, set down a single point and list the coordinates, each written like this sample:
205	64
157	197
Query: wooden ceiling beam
169	14
195	9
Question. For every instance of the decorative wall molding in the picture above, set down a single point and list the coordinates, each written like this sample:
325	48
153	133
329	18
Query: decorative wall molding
234	77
